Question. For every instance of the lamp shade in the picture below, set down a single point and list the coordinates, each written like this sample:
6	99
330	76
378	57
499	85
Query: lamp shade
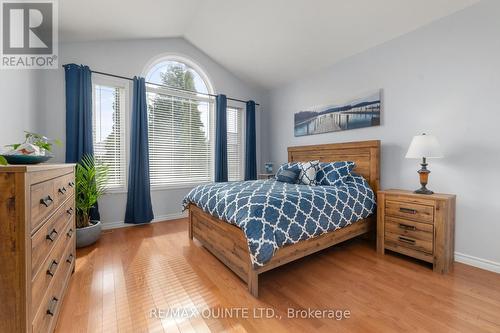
424	146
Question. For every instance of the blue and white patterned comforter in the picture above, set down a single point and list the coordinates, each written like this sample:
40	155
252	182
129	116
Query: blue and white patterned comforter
273	214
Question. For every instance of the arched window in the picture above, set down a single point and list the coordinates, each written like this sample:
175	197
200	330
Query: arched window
181	125
175	73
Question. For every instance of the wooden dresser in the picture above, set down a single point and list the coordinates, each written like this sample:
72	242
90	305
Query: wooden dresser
37	244
420	226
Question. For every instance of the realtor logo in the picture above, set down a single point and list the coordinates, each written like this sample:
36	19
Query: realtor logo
29	34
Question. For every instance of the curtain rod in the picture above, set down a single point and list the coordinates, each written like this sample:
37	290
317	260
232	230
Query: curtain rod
170	87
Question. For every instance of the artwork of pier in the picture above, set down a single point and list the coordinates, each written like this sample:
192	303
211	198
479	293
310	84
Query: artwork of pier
358	113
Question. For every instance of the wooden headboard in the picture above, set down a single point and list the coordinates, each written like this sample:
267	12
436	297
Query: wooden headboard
366	155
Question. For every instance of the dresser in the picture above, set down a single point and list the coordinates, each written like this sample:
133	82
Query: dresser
417	225
37	244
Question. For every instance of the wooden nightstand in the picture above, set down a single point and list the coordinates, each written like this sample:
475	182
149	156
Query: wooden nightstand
420	226
265	175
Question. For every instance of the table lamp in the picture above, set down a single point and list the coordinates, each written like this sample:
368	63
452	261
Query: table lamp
424	146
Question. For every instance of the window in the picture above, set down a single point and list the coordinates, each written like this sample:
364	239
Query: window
109	99
180	140
234	144
182	128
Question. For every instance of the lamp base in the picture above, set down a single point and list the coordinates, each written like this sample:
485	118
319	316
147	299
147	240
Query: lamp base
424	177
423	190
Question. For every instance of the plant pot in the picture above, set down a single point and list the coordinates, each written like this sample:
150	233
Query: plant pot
88	235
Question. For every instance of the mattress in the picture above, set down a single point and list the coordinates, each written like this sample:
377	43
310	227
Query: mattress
273	214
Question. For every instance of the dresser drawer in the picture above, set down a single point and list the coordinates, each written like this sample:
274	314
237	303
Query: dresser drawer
43	203
44	240
409	242
415	230
50	267
46	315
64	188
411	211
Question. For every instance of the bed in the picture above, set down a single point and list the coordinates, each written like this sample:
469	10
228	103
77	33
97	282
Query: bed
232	246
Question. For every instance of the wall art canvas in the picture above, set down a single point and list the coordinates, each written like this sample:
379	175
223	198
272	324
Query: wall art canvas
356	113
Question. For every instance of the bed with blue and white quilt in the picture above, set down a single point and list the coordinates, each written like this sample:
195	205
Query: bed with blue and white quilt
273	213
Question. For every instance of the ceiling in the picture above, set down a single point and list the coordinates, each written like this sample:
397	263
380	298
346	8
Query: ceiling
265	42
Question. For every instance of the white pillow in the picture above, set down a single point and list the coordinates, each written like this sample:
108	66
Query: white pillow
308	172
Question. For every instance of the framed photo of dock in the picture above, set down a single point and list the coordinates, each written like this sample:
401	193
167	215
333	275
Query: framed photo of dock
356	113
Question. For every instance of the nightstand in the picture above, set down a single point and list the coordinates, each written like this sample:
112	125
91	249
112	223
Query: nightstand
417	225
266	175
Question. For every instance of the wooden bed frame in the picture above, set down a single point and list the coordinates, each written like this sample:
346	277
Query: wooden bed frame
228	243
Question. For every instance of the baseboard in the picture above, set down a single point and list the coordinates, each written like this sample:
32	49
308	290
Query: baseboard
160	218
477	262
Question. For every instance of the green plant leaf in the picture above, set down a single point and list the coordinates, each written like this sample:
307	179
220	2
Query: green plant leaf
44	145
90	178
3	161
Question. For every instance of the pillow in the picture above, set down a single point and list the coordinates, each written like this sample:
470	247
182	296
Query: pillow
295	166
334	173
288	175
308	172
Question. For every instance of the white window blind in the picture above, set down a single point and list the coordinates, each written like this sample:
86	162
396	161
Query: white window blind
180	138
234	144
109	131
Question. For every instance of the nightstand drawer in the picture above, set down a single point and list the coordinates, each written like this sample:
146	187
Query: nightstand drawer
411	211
409	242
415	230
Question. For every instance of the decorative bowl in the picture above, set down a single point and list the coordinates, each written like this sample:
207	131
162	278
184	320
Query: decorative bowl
26	159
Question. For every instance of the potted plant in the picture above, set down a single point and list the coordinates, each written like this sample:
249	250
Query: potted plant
36	148
90	179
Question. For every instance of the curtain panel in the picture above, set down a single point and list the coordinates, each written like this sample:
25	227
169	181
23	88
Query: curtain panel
221	169
139	208
79	136
250	143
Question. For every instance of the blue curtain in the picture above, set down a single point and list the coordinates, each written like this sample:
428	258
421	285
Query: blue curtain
250	145
139	209
79	140
78	112
221	139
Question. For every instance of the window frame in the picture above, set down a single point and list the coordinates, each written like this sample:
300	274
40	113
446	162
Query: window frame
101	80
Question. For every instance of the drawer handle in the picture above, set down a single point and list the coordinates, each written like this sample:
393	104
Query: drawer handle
70	211
71	184
70	233
52	235
47	201
52	267
62	190
406	240
407	210
70	259
407	227
52	306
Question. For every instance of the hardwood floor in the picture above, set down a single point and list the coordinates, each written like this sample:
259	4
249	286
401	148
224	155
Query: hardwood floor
133	270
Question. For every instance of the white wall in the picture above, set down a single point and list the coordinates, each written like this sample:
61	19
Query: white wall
442	79
19	109
129	58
